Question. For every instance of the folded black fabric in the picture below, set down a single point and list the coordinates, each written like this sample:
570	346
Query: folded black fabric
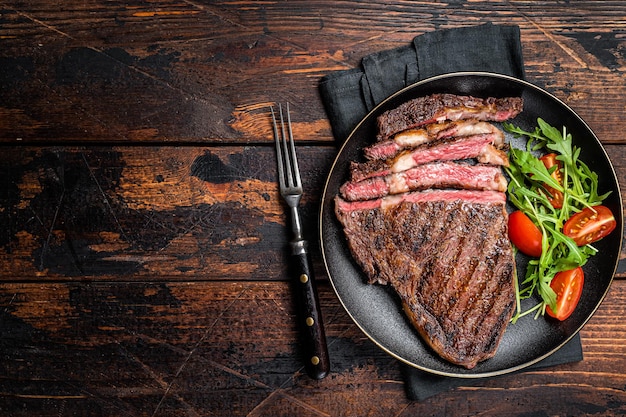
420	385
350	94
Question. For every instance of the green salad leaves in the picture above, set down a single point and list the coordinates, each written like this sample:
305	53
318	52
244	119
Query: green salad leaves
532	188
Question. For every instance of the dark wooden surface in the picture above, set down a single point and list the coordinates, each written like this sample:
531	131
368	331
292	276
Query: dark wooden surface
142	239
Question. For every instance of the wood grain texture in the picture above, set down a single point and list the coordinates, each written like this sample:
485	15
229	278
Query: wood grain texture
142	240
194	72
182	213
130	363
168	213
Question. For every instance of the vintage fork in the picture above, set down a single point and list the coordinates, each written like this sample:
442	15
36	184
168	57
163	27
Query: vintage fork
317	361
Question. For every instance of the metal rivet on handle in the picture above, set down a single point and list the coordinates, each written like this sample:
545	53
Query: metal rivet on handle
315	360
309	321
304	278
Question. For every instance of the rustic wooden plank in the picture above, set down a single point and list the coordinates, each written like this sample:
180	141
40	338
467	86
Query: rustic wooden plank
178	213
145	280
146	91
230	348
166	71
181	213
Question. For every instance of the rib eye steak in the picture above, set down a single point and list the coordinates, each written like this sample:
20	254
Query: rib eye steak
426	215
412	138
447	256
441	107
440	174
479	147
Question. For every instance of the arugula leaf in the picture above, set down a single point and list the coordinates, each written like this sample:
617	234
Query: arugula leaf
527	191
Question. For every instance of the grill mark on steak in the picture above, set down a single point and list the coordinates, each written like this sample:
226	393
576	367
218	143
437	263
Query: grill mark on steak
463	266
498	268
440	107
461	253
486	279
449	263
478	275
421	242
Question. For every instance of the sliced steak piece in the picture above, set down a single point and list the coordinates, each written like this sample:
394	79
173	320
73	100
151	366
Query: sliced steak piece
469	196
414	137
476	146
430	175
441	107
447	256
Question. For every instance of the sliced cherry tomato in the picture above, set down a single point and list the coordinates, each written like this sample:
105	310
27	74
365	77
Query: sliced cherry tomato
555	196
524	234
568	286
590	225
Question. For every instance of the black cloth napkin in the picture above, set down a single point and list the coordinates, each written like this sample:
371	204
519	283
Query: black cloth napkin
420	385
350	94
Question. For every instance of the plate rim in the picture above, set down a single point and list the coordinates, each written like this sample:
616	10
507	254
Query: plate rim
322	210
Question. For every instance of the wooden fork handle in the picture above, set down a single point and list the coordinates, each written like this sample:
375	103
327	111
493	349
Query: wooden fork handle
315	350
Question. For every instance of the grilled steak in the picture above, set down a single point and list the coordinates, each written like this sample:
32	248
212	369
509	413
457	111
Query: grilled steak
414	137
431	175
469	196
447	256
434	227
440	107
475	146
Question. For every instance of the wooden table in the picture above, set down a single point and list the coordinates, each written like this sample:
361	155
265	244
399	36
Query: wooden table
142	243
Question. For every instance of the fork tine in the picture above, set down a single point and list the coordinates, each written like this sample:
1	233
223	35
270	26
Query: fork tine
279	153
287	156
294	158
288	170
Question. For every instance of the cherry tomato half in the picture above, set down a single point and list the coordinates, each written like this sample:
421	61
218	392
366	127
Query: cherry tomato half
590	225
568	286
524	234
555	196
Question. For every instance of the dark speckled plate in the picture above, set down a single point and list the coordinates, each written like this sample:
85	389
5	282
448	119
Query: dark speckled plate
376	309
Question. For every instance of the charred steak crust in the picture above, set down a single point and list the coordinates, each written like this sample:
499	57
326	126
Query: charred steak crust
441	107
444	249
452	266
